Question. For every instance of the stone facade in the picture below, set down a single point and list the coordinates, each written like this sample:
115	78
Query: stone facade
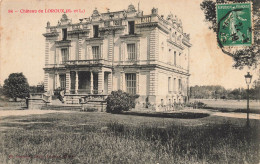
141	54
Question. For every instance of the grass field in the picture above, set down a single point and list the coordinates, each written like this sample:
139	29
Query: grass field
234	104
84	137
231	105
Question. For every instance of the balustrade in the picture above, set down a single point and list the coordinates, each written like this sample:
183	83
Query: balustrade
146	19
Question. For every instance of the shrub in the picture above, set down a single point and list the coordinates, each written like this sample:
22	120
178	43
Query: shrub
198	104
119	101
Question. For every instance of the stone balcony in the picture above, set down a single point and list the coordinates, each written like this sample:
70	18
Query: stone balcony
69	63
90	62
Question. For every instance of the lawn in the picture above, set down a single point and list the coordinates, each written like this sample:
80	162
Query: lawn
231	105
84	137
7	105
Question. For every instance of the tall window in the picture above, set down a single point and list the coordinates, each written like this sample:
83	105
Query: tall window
174	84
130	83
131	27
95	31
64	54
180	85
131	52
169	84
174	57
95	52
63	82
64	34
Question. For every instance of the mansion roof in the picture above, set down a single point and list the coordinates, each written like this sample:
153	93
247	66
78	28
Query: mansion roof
113	21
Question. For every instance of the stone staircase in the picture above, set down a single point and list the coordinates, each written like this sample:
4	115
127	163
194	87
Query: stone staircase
56	104
62	107
72	102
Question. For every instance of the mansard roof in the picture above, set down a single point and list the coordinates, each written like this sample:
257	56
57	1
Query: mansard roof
171	21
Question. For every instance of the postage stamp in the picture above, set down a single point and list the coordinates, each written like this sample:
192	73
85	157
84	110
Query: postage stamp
234	24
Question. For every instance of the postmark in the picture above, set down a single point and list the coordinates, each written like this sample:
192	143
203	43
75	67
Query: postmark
234	24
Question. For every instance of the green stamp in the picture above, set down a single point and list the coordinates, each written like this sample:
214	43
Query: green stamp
234	24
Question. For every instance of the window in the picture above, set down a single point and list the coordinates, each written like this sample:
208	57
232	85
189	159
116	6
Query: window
174	84
64	34
180	85
131	27
169	84
174	57
95	52
63	82
64	54
73	80
131	83
95	31
131	52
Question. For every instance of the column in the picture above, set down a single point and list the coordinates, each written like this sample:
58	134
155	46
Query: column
100	81
76	82
122	80
68	81
109	80
91	82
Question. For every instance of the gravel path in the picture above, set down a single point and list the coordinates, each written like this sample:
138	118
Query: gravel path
6	113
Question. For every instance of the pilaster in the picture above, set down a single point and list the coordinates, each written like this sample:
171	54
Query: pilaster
154	44
80	49
47	52
57	54
137	82
46	81
76	82
109	86
110	47
153	82
91	82
100	82
68	81
56	80
122	80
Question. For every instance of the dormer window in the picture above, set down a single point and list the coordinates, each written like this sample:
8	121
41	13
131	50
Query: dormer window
131	27
64	34
95	31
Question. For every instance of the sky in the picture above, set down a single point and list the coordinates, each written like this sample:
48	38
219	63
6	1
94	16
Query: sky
22	43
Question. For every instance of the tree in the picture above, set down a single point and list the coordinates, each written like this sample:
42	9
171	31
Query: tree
16	86
247	56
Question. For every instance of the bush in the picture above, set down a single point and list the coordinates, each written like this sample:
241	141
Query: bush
119	101
197	104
